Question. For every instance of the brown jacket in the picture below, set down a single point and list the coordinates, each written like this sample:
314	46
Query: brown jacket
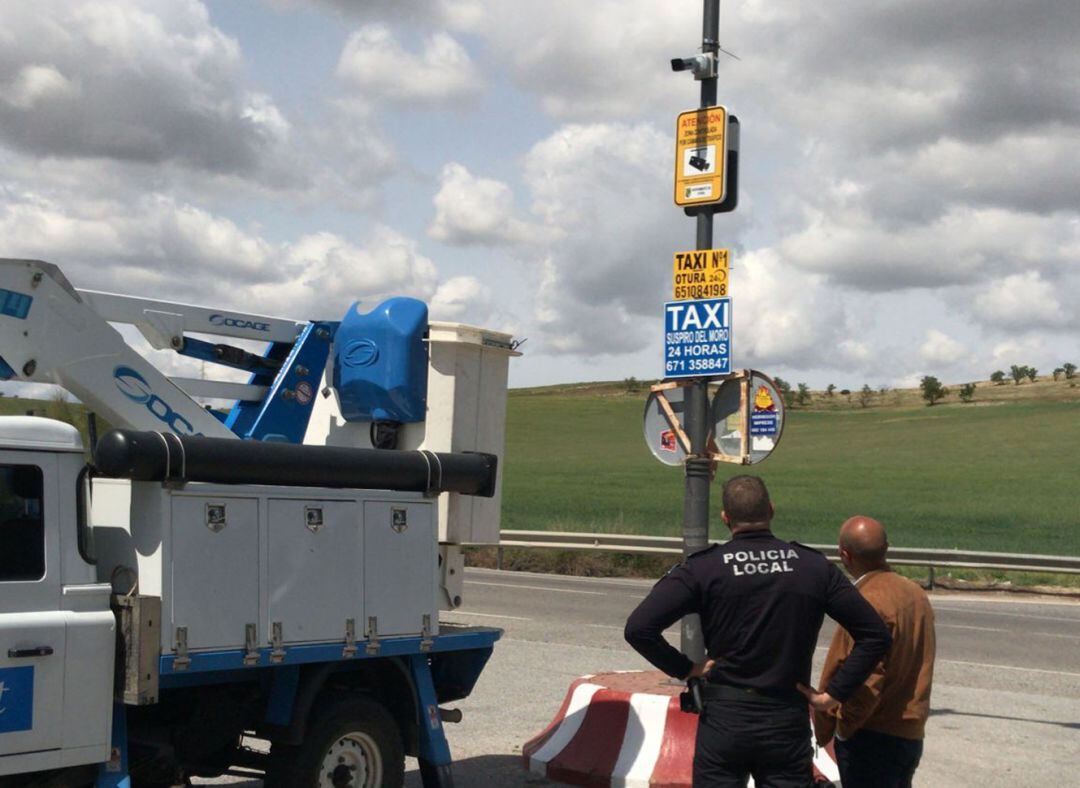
895	699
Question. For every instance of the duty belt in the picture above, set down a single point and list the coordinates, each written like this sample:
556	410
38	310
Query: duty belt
752	694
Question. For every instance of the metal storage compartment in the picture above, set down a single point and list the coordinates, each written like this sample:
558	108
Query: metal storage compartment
229	562
316	568
213	576
400	567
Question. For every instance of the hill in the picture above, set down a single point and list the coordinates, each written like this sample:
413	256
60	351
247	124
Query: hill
1001	473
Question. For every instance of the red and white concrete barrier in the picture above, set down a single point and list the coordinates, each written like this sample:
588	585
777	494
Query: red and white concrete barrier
626	729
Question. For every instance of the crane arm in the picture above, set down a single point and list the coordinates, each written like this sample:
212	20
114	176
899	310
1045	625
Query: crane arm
49	333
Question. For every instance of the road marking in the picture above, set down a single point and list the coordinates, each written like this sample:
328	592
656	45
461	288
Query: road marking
1006	667
484	615
536	588
1032	616
998	629
999	600
665	633
631	582
939	625
627	582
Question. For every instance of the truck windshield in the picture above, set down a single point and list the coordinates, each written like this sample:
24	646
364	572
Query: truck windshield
22	524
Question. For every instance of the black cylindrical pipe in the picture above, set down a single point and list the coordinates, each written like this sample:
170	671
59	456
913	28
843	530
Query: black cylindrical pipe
159	457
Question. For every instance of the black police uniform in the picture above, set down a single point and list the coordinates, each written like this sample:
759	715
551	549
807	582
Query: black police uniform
761	602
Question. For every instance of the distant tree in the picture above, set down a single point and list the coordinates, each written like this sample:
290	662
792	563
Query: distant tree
883	389
1031	372
865	395
785	391
932	390
998	378
631	384
846	393
967	392
1070	371
1058	373
803	397
830	389
1018	373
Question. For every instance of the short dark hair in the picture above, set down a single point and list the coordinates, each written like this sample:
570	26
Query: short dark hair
746	500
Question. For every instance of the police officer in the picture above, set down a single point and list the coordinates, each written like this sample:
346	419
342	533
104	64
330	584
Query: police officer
761	602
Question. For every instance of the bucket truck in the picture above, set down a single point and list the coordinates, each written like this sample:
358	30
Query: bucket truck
273	573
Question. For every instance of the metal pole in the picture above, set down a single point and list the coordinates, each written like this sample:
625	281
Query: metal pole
696	413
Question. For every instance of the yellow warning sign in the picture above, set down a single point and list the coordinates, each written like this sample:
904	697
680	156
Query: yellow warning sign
700	156
700	274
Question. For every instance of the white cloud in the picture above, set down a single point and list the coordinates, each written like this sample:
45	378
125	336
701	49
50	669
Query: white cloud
784	317
1025	301
149	81
606	250
380	69
1024	171
34	84
159	248
604	59
474	210
941	349
358	158
462	298
963	245
903	171
152	244
321	274
1025	351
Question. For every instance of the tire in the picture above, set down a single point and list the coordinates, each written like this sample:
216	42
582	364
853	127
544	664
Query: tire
352	741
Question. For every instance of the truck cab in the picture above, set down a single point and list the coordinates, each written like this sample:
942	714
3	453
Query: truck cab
57	632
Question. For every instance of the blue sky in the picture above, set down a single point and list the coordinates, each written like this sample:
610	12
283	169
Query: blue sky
909	183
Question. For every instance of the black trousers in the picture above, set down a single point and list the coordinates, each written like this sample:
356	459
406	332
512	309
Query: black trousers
877	760
753	735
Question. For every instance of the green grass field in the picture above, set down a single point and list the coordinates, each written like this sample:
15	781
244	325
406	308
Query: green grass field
1001	475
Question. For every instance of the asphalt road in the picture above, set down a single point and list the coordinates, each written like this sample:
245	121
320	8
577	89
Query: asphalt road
1006	700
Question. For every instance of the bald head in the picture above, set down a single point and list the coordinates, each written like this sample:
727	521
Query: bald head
864	540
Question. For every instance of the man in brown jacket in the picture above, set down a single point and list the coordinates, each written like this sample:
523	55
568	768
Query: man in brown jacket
879	730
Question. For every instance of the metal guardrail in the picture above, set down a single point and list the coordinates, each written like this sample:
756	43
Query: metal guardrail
908	556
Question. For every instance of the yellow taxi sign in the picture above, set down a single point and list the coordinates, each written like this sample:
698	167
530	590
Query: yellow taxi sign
700	156
700	274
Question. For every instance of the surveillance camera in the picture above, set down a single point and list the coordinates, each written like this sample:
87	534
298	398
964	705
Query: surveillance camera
701	66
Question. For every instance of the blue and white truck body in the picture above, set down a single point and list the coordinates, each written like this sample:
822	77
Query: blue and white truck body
153	624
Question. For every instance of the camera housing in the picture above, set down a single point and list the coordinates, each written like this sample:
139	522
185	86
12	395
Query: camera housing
702	66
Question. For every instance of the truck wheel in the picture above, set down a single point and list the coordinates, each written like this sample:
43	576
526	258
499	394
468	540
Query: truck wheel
351	742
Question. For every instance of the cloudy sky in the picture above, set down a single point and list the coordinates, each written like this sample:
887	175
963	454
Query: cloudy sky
910	192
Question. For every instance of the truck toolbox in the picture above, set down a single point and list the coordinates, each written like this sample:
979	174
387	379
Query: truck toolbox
301	565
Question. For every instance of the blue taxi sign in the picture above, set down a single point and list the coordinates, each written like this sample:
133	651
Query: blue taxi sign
697	338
